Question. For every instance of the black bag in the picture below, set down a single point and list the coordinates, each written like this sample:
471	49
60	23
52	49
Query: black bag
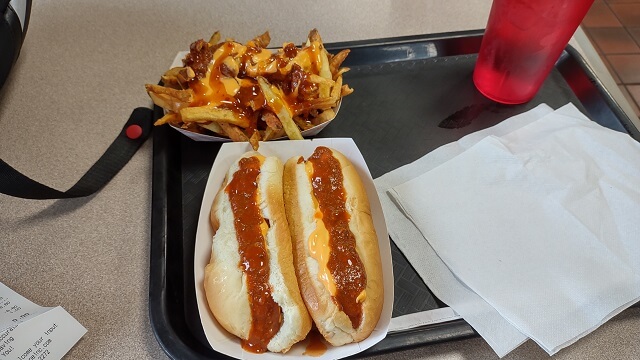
14	21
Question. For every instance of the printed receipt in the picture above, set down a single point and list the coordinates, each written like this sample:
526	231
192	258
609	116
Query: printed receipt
32	332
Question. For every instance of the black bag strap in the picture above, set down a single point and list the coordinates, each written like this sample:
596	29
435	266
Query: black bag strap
133	135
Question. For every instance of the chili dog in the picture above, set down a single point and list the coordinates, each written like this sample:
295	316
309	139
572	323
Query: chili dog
336	253
250	282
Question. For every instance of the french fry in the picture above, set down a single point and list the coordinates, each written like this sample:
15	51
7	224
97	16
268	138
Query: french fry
335	91
167	118
324	116
234	132
321	80
316	104
229	67
205	114
178	77
215	38
337	60
261	41
271	120
302	123
179	95
314	35
341	71
325	72
214	127
254	140
346	90
166	102
172	82
270	134
280	109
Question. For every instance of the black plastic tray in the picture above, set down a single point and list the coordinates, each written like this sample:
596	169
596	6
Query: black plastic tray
412	95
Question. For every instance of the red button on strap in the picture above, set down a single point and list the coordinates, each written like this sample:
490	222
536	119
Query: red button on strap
133	131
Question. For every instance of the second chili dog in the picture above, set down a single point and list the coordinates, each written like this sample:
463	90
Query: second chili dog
250	282
335	245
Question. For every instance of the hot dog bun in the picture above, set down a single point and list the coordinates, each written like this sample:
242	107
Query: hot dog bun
307	223
227	280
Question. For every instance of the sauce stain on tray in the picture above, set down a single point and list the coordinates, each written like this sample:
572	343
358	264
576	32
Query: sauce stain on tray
467	115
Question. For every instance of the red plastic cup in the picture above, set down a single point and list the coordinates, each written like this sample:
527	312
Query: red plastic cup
522	42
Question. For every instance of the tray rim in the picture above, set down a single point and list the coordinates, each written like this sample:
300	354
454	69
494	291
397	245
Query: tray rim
173	345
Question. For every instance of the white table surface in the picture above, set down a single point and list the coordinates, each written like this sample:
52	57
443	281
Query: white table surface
82	70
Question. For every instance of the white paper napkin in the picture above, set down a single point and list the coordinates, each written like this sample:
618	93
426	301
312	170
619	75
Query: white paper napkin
499	333
541	223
